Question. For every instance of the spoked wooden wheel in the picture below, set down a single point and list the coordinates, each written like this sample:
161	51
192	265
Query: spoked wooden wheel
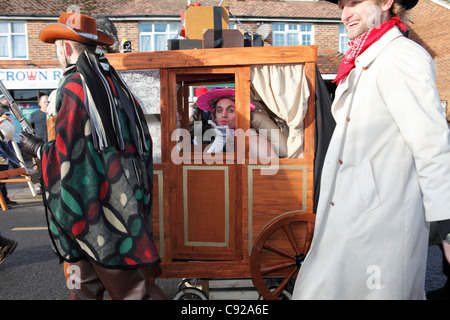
279	251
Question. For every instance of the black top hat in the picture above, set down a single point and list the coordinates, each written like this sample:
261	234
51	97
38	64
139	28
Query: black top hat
407	4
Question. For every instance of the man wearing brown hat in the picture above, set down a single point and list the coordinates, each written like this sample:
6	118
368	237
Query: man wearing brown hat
97	173
386	174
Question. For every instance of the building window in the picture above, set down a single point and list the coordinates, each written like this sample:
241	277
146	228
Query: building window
343	39
154	36
292	34
13	40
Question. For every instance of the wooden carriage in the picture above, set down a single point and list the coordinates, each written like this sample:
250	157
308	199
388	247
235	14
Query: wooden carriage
227	219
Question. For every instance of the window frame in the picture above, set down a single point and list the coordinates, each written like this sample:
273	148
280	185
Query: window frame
343	39
10	43
172	30
297	32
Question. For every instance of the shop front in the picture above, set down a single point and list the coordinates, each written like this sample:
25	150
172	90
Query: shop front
26	86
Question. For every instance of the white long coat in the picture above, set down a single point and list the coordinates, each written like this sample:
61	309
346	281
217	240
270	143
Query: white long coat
386	173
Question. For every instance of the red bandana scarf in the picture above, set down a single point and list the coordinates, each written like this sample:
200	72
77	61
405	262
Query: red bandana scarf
361	43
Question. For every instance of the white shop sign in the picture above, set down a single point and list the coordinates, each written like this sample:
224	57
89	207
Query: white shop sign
17	79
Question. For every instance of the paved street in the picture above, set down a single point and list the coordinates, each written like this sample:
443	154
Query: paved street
33	272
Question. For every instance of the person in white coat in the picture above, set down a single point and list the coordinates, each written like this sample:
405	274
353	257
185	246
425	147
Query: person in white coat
386	174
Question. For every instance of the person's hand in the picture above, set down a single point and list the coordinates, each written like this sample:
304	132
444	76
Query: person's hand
30	143
4	117
446	248
222	134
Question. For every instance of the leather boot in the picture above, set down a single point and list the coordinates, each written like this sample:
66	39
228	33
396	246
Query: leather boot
7	247
93	280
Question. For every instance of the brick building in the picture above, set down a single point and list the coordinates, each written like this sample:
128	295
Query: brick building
151	23
431	28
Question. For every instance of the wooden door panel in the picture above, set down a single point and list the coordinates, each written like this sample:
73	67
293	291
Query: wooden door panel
206	213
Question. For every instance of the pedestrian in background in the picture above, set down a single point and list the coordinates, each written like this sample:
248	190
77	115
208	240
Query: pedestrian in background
7	130
7	155
38	119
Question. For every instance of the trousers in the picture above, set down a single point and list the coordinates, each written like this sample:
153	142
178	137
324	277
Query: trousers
88	281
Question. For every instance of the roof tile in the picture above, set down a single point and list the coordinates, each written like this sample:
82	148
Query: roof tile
259	8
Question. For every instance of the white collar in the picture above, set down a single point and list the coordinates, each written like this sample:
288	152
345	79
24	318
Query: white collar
372	52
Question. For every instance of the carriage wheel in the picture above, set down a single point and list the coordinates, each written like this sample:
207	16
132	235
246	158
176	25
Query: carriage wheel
190	294
279	251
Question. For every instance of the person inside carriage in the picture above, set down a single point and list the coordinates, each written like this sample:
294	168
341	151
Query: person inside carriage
220	102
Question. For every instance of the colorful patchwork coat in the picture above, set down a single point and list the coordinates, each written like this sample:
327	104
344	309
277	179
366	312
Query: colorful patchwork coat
99	203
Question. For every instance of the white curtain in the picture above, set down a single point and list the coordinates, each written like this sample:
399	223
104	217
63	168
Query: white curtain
284	90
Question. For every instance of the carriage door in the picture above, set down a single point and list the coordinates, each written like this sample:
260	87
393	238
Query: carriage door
205	193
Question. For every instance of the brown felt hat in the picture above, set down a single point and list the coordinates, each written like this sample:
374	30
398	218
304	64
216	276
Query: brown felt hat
76	27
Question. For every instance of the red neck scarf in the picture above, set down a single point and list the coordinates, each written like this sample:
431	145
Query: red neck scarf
361	43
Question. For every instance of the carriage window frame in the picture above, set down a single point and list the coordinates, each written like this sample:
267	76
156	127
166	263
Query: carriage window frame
200	150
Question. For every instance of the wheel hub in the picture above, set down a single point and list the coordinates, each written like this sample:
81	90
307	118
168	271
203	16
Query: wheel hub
299	260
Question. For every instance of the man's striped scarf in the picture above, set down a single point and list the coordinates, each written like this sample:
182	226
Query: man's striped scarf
104	91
